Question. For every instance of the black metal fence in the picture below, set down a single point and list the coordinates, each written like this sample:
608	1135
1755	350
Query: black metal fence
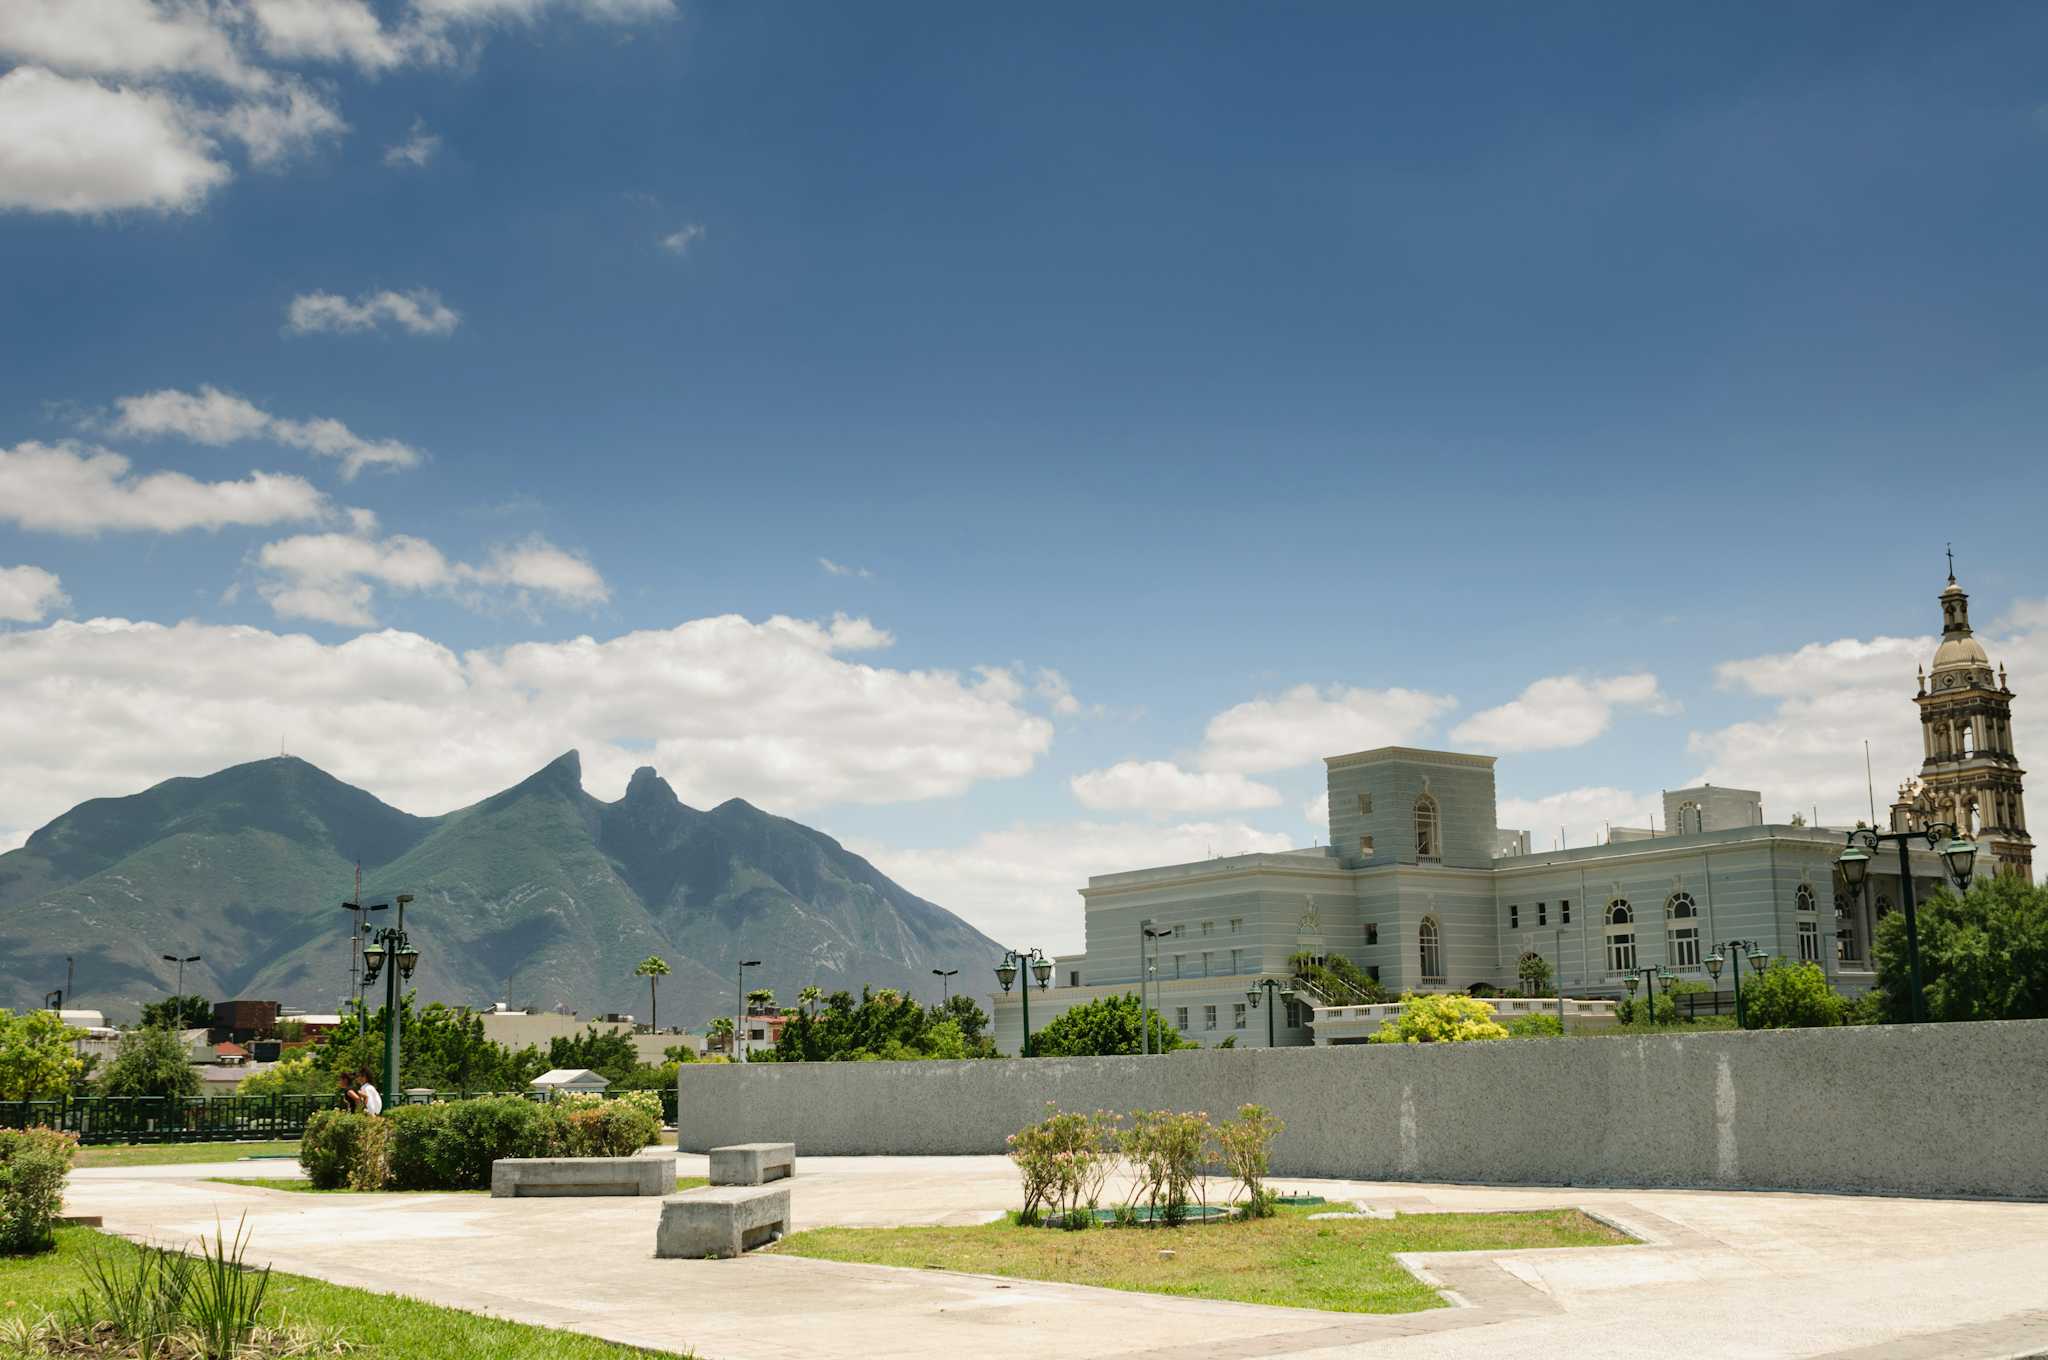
214	1119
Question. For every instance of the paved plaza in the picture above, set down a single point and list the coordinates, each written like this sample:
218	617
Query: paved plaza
1719	1273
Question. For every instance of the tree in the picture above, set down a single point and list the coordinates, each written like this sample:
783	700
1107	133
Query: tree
760	999
1338	978
608	1053
1791	996
1534	971
962	1011
653	968
178	1012
1439	1018
1983	955
1107	1025
720	1031
150	1062
809	998
36	1061
881	1025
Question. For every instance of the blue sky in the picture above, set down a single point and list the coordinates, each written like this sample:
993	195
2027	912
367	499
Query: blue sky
1192	353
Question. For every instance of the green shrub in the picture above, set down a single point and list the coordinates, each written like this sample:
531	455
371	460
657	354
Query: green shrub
1792	996
329	1149
1541	1025
451	1146
1064	1160
372	1168
1166	1152
1438	1018
33	1165
614	1129
1247	1145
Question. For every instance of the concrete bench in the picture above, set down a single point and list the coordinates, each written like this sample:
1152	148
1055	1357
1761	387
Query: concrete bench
752	1163
721	1220
519	1177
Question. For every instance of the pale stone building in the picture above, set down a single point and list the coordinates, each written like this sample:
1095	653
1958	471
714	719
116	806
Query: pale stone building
1419	887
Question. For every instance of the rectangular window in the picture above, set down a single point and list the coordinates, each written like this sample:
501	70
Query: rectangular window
1180	1018
1294	1015
1514	916
1372	970
1179	968
1180	930
1365	845
1074	978
1208	927
1236	962
1236	925
1237	1020
1809	942
1365	805
1372	932
1208	964
1564	910
1542	913
1208	1017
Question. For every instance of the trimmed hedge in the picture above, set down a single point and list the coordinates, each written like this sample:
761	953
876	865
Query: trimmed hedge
451	1146
33	1165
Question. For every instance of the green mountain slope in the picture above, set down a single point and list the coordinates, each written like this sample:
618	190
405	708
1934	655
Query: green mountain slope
540	895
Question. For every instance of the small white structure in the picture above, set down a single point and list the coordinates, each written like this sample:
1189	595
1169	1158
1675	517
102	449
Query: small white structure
580	1080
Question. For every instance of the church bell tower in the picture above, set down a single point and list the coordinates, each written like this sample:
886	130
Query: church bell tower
1971	776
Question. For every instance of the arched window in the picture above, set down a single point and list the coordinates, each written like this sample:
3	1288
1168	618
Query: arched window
1688	819
1803	900
1621	936
1432	950
1428	829
1682	931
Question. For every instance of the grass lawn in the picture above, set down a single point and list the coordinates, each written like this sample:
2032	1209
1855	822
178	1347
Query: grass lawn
168	1154
394	1328
1342	1265
306	1187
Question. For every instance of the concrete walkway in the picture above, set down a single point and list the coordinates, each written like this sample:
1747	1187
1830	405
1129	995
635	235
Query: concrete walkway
1720	1273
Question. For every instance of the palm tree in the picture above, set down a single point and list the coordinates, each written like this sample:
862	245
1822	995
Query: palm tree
653	968
809	997
721	1028
760	999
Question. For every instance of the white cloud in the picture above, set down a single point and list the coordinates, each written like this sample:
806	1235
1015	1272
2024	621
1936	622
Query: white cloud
333	577
842	569
417	147
451	12
330	30
1305	723
279	125
69	489
420	312
1052	687
28	594
1561	711
539	566
1160	786
1316	811
133	38
1832	697
211	416
677	242
1020	885
1583	815
769	711
77	146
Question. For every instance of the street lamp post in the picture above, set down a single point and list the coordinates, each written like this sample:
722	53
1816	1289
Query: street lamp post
739	1021
1958	856
357	929
1735	949
181	960
391	953
1270	986
1145	932
945	987
1037	967
1651	977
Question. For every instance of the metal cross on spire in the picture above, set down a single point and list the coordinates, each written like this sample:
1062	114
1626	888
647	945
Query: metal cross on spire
1951	563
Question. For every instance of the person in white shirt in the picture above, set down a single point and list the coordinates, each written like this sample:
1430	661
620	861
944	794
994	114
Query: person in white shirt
373	1100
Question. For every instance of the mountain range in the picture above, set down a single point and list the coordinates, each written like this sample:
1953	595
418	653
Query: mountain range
541	895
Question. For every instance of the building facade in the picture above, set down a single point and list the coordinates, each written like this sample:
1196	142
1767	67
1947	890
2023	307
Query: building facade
1423	891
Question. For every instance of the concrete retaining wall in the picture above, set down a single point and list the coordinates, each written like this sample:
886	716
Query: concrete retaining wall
1917	1110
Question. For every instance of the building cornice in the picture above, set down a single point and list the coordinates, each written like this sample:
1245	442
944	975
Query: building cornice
1412	755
